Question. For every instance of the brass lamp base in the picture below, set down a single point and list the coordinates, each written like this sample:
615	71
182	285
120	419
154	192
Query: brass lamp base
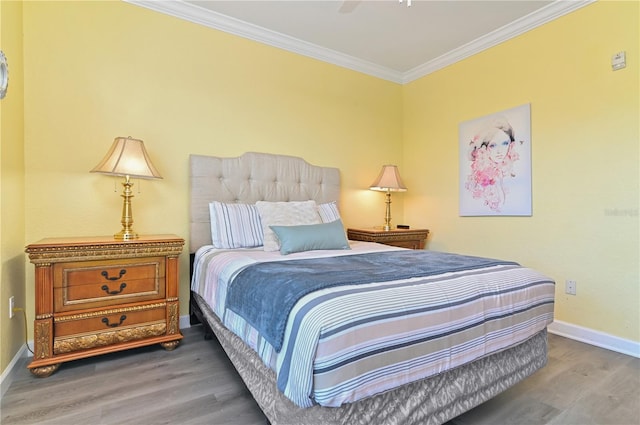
387	216
127	231
125	236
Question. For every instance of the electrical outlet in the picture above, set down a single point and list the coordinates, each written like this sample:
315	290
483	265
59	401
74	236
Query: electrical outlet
12	304
570	287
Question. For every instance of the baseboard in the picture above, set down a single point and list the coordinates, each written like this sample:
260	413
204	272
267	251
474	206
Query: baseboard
597	338
184	322
7	376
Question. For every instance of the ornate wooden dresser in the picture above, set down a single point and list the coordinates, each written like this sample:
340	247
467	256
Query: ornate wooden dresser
97	295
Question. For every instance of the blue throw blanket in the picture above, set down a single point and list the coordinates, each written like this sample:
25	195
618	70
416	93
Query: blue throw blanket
265	293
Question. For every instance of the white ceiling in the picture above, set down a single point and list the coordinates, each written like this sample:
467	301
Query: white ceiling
383	38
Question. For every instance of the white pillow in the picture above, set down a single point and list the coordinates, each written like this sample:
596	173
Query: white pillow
235	225
285	214
329	212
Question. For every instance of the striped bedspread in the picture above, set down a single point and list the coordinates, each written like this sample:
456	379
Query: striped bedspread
345	343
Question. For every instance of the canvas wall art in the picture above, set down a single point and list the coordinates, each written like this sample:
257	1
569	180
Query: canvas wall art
495	164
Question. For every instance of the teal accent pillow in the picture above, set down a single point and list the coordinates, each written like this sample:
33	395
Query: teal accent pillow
309	237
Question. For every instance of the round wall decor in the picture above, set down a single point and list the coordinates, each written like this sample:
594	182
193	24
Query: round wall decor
4	75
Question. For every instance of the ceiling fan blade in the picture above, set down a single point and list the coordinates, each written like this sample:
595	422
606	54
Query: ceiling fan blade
348	6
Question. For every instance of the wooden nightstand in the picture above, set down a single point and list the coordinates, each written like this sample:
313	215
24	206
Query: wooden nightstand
97	295
405	238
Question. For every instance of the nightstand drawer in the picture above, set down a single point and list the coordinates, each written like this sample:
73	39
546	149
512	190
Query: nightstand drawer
94	284
94	329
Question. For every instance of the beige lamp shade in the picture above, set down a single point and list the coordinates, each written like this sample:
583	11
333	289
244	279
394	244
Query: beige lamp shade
127	157
388	180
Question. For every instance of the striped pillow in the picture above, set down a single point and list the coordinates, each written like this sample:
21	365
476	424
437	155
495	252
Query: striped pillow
235	225
329	212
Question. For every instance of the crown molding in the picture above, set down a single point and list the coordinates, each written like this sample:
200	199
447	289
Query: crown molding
520	26
199	15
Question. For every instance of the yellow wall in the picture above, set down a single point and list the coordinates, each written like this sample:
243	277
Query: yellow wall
12	221
585	155
97	70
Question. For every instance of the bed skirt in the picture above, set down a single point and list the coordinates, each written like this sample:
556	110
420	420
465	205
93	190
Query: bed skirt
433	400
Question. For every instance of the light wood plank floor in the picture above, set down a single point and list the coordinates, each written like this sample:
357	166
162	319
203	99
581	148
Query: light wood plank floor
196	384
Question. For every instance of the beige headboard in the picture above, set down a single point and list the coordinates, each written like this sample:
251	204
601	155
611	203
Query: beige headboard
250	178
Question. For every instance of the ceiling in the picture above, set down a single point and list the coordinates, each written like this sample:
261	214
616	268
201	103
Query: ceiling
383	38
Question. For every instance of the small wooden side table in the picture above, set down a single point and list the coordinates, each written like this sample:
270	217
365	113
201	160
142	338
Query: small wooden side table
97	295
405	238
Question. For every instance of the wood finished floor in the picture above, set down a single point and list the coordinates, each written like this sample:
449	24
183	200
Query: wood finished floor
196	384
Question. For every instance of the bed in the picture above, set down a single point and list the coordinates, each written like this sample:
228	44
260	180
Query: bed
428	389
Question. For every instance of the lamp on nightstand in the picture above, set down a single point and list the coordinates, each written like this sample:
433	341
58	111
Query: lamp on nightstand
127	157
388	181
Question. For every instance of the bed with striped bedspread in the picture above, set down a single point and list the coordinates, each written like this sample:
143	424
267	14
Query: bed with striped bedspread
363	340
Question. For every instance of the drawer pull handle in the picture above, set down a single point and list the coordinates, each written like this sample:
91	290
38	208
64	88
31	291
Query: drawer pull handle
105	288
105	320
106	275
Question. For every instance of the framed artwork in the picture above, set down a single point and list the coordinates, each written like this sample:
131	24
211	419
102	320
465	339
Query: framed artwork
495	164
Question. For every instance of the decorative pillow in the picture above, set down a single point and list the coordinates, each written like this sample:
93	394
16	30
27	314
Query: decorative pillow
329	212
235	225
311	236
285	214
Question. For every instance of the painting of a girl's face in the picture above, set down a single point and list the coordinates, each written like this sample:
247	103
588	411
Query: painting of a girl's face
498	146
495	164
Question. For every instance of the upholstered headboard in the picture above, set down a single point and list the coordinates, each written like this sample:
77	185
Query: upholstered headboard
250	178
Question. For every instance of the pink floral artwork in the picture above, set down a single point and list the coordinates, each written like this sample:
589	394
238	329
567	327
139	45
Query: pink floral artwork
495	164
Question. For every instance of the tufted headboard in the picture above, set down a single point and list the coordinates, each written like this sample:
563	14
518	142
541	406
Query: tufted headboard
250	178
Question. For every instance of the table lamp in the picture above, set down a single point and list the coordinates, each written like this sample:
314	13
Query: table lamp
127	157
388	181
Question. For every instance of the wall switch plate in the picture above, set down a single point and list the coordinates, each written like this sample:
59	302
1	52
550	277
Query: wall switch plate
619	61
